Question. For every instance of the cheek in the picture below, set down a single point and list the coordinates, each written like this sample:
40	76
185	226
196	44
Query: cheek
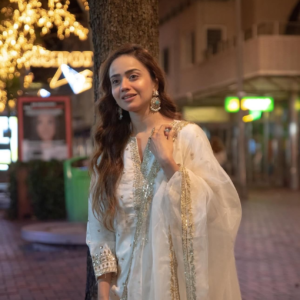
115	93
145	88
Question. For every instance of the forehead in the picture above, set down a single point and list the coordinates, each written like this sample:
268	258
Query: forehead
124	63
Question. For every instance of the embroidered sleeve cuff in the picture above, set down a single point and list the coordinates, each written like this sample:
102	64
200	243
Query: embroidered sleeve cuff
105	262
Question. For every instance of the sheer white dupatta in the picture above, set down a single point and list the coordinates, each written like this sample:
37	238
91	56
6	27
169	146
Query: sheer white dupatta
203	215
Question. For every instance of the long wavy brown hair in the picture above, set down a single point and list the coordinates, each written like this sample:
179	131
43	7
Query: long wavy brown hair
111	134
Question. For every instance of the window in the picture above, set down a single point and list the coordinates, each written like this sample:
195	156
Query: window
213	37
189	45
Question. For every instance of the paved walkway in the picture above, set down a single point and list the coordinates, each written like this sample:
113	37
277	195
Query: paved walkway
27	273
268	246
267	252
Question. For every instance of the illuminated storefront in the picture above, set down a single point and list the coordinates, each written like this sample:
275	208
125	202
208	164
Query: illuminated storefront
8	146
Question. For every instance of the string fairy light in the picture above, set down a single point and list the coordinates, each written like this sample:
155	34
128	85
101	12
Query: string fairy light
86	4
18	32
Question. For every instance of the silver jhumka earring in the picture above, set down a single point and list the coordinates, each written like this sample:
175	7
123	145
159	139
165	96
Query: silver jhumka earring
155	102
120	112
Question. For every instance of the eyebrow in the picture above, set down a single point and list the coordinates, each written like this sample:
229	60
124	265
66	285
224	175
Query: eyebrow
127	72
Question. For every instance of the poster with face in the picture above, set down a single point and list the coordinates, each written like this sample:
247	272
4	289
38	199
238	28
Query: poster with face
44	128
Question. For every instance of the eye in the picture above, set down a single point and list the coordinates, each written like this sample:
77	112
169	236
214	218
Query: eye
133	76
115	81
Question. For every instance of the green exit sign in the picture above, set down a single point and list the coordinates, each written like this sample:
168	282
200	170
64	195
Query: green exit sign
232	104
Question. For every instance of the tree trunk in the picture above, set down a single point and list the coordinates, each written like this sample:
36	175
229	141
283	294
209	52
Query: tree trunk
113	23
116	22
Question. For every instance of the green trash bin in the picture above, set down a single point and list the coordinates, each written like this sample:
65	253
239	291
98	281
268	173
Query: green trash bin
77	182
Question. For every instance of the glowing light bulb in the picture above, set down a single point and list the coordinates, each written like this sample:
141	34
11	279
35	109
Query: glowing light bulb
44	93
41	21
2	106
11	103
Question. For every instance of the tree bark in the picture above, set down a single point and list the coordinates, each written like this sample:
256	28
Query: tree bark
114	23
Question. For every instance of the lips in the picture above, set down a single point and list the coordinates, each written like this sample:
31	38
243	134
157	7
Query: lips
128	96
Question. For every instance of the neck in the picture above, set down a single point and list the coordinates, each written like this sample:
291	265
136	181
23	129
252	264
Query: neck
145	122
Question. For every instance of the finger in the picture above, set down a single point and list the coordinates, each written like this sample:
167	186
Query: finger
164	126
154	131
165	129
171	134
167	132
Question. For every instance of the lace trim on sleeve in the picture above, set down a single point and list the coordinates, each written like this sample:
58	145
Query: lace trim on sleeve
105	262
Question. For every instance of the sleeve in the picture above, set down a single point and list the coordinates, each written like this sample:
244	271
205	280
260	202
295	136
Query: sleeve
204	214
101	243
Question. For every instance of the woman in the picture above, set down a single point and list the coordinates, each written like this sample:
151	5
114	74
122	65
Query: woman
163	215
45	127
43	141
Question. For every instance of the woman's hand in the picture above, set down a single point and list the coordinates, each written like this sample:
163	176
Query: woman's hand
161	145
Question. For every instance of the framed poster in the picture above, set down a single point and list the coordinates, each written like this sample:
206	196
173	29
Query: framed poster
44	128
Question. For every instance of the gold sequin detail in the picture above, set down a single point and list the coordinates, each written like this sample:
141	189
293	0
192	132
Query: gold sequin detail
188	235
138	178
174	287
143	194
104	263
178	125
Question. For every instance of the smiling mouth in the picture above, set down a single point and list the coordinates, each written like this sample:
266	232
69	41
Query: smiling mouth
128	96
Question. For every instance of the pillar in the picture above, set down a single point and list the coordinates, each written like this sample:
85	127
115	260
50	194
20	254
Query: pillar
293	142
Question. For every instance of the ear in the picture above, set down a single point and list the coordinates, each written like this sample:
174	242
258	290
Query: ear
155	84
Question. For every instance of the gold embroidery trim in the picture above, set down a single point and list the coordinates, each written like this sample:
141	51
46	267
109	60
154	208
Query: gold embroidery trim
187	236
138	178
143	192
174	286
104	263
178	125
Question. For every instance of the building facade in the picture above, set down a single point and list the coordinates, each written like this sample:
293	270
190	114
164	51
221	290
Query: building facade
199	53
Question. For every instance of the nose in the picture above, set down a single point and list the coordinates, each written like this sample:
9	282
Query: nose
124	85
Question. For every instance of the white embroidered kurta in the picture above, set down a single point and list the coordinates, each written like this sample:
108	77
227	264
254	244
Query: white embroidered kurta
173	239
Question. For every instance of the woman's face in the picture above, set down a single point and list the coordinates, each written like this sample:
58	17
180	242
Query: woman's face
46	127
132	85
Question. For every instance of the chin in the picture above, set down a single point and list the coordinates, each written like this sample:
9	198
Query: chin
134	108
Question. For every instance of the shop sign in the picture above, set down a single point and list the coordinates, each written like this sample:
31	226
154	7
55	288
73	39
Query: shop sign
78	81
54	59
232	104
255	105
261	104
253	115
